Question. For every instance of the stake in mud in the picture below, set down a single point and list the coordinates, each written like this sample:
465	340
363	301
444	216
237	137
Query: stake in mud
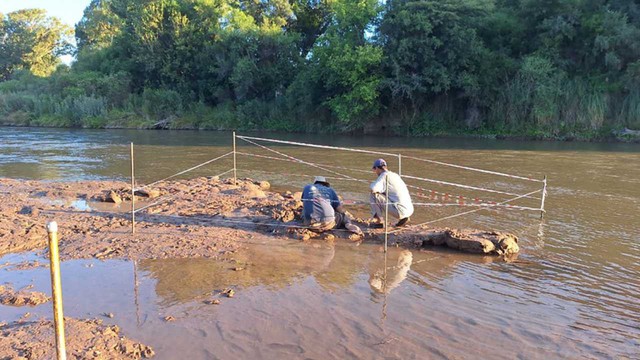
56	290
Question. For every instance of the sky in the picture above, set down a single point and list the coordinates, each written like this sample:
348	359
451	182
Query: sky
68	11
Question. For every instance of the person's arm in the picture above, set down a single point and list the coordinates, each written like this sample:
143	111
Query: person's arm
306	203
335	201
378	185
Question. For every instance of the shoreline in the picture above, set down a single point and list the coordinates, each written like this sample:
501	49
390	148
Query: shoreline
612	138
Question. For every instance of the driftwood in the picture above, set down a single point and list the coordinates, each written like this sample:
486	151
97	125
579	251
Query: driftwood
627	131
474	241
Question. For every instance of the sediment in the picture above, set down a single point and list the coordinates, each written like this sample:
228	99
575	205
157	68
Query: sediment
201	217
85	339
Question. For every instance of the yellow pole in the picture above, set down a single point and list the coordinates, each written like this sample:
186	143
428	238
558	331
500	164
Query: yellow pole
234	159
56	290
133	195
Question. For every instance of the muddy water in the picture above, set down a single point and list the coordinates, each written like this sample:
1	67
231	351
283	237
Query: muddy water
573	292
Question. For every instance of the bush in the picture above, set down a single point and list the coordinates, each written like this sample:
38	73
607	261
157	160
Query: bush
160	104
13	102
221	117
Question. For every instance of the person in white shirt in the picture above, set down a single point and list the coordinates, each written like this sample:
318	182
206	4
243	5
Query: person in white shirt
400	205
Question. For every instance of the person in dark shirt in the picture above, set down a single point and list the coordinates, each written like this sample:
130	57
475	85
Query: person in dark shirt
322	210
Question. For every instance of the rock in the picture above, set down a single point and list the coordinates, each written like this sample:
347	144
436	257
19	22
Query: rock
474	241
329	237
506	244
264	185
169	318
356	237
148	193
29	210
113	197
297	196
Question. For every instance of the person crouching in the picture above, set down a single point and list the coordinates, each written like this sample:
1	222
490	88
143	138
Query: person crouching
322	210
400	205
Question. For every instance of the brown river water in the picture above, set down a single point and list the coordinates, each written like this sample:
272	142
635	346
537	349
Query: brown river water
572	293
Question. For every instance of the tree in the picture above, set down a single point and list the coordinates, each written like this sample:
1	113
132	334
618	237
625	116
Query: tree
99	26
31	40
347	65
430	48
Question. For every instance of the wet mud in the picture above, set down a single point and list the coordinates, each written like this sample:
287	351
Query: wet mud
202	217
85	339
23	297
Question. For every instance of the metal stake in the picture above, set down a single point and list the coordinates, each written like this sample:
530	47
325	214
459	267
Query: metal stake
56	290
544	195
386	212
235	182
133	195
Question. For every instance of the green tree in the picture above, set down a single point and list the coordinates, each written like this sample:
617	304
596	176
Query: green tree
430	48
347	65
31	40
98	27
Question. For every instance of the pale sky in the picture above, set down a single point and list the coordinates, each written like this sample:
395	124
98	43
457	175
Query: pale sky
69	11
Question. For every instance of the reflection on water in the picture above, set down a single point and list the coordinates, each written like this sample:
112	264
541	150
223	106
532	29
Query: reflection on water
315	300
387	279
572	293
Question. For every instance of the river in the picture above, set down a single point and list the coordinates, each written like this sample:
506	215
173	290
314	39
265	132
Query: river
573	292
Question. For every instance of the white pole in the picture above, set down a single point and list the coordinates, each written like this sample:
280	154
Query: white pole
400	164
133	195
386	212
544	195
234	159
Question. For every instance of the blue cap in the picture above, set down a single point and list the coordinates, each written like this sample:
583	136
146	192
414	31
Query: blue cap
379	163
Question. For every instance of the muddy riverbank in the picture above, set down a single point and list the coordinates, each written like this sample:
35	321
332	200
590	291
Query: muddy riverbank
202	217
85	339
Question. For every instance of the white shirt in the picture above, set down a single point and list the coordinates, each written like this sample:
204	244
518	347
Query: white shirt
398	192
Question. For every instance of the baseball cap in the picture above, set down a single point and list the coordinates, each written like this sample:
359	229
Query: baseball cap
379	163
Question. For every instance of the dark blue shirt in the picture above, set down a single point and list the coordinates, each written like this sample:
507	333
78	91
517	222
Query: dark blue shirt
319	203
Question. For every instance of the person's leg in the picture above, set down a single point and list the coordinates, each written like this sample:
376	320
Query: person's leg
343	221
377	201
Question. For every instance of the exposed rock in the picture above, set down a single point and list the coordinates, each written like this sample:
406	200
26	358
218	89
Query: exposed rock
29	210
147	193
264	185
113	197
474	241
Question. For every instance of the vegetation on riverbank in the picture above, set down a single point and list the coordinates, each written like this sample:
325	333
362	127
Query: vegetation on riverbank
560	69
